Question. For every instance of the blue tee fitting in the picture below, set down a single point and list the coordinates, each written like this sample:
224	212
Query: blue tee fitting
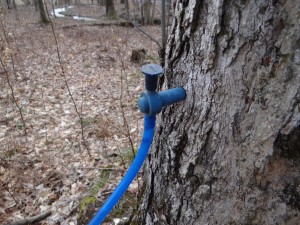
152	72
152	102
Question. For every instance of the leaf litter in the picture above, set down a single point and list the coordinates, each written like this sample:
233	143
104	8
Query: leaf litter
50	167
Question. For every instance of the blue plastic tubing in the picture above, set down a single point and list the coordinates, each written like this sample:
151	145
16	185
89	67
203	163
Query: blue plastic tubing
149	124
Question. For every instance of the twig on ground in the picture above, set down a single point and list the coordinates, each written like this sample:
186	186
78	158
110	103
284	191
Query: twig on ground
7	189
33	219
15	160
101	168
101	24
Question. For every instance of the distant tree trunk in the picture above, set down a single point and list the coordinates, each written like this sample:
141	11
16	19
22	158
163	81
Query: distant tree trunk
1	6
36	5
9	4
68	2
153	10
14	4
136	10
27	2
16	10
110	9
101	2
122	1
230	153
43	13
146	12
127	8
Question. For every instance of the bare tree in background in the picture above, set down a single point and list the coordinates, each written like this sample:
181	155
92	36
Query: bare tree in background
36	5
146	12
1	6
11	4
230	153
43	14
127	8
110	9
101	2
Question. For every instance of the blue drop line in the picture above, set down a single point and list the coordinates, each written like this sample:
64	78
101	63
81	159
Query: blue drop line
149	125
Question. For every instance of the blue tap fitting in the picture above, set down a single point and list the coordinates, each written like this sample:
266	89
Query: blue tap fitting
152	72
152	102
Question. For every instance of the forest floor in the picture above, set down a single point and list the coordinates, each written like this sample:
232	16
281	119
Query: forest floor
80	121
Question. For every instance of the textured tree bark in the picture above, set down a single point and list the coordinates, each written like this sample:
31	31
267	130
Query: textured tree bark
230	153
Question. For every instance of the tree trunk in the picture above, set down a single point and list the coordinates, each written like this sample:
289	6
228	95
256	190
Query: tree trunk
110	9
9	4
230	153
146	12
1	7
43	13
36	5
101	2
127	9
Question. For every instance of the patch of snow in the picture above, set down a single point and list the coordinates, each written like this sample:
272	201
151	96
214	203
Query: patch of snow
57	12
82	18
118	220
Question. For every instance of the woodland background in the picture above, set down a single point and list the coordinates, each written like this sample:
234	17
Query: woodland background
69	123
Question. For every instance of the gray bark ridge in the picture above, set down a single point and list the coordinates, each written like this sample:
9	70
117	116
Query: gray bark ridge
229	154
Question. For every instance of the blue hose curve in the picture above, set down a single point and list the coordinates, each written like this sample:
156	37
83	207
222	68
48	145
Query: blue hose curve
149	125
